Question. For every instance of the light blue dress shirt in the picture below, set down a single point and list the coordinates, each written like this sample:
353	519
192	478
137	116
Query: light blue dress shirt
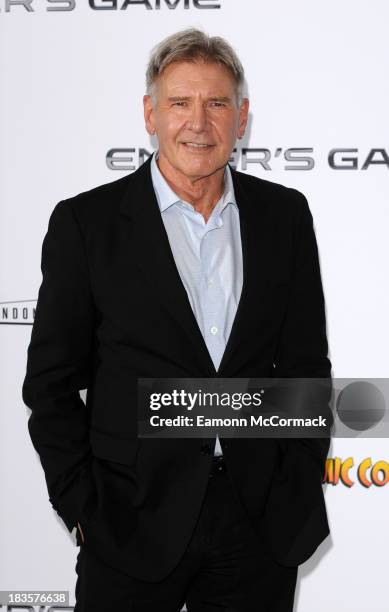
208	256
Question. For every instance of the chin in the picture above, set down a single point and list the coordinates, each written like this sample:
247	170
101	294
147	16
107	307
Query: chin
196	166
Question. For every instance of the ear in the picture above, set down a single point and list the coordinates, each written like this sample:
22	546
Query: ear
243	117
148	113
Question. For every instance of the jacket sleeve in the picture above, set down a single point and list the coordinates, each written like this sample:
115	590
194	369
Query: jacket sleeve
59	364
302	349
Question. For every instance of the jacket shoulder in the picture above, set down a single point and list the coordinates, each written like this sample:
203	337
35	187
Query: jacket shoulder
255	186
99	199
100	205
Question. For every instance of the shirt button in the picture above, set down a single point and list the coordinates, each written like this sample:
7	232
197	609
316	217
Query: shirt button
213	330
210	282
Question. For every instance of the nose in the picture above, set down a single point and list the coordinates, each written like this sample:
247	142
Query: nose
197	122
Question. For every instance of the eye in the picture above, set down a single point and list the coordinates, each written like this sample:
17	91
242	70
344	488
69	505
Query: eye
179	103
217	104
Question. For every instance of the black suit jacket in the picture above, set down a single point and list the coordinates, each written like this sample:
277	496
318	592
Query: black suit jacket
112	308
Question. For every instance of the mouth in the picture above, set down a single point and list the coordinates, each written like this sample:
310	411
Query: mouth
198	146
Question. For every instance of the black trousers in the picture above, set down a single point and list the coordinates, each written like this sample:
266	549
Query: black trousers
222	569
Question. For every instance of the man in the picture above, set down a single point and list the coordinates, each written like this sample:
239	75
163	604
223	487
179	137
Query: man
185	268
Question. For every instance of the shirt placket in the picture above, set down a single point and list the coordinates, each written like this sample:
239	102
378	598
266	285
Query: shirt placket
212	295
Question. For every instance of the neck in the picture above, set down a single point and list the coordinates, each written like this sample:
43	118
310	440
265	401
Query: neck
202	192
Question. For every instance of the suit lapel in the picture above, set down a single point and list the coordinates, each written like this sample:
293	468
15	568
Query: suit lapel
150	242
251	215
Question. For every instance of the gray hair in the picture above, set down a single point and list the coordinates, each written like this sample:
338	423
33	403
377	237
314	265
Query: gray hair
190	45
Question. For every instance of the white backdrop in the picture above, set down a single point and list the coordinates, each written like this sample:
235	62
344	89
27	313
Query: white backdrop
72	83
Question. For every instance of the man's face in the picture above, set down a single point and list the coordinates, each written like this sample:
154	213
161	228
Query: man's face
195	105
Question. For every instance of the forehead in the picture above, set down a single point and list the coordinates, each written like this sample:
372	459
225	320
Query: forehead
189	77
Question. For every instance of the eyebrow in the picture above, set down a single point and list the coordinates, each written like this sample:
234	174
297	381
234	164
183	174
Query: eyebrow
212	98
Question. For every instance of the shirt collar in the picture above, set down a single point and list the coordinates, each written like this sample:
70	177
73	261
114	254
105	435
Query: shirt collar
166	196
